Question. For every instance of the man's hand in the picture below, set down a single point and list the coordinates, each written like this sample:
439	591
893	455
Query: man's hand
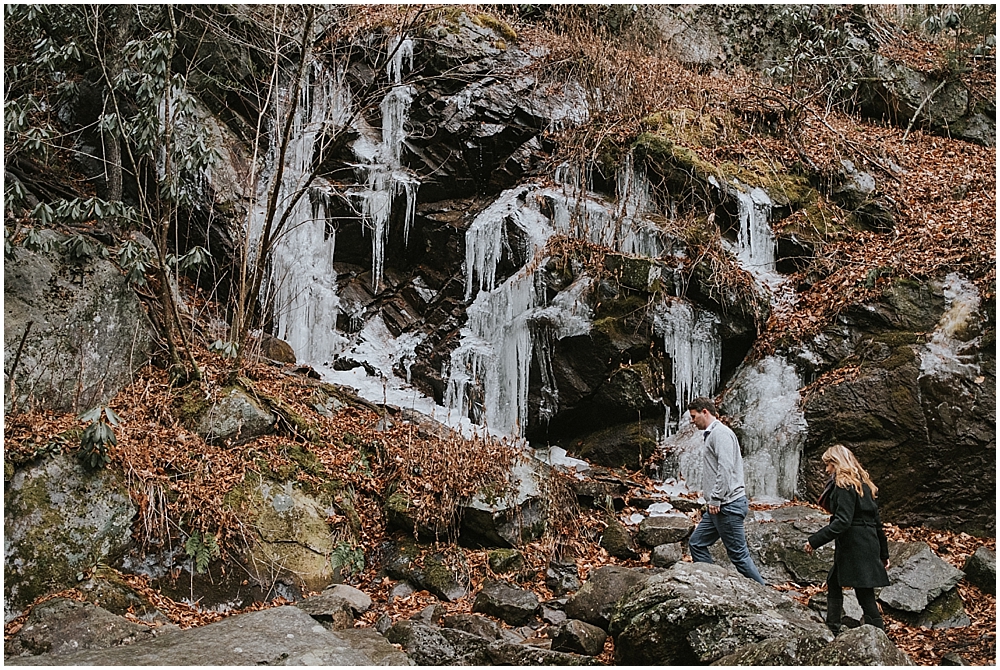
713	509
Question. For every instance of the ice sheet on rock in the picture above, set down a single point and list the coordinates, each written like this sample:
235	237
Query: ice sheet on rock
949	351
763	399
635	519
661	509
557	457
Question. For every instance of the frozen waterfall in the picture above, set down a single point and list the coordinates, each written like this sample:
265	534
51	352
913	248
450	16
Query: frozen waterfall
302	287
755	242
763	399
691	340
943	354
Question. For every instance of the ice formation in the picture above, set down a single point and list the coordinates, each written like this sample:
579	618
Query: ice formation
755	242
943	354
302	287
763	399
691	340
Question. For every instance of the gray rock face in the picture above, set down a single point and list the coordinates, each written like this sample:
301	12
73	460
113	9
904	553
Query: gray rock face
237	416
666	555
698	613
336	606
474	624
59	520
657	530
277	636
981	570
513	605
89	333
917	577
61	626
596	599
866	645
578	637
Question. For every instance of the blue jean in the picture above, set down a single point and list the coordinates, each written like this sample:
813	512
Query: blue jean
727	525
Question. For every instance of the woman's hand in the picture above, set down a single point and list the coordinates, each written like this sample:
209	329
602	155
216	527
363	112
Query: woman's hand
807	548
887	564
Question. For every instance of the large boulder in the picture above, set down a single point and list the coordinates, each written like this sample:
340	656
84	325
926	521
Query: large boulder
699	612
60	519
917	577
617	540
79	327
596	599
981	569
276	636
60	626
293	539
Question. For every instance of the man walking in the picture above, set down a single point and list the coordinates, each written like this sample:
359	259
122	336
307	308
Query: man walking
722	470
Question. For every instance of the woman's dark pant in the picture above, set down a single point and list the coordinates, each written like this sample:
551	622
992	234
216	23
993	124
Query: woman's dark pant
835	603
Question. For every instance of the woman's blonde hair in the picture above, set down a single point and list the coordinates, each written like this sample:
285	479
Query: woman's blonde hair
847	471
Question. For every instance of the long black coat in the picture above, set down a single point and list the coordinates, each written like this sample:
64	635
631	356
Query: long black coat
861	548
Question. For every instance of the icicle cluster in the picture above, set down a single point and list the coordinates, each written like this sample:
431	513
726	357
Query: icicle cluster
755	242
691	341
384	178
301	287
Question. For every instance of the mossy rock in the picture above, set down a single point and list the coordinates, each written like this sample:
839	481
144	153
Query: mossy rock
688	126
59	521
292	532
503	561
498	26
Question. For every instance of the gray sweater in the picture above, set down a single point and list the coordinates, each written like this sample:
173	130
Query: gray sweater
722	465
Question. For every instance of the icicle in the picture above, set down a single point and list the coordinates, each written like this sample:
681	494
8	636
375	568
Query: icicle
400	49
755	241
301	285
694	348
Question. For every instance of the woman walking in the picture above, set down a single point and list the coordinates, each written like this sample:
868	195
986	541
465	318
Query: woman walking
861	554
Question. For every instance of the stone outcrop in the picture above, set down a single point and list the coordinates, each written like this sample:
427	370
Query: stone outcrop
88	334
699	613
59	520
508	603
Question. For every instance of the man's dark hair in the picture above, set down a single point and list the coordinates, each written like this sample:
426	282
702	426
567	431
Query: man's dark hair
699	404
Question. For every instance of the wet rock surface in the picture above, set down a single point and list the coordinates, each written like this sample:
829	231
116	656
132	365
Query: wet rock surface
917	577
